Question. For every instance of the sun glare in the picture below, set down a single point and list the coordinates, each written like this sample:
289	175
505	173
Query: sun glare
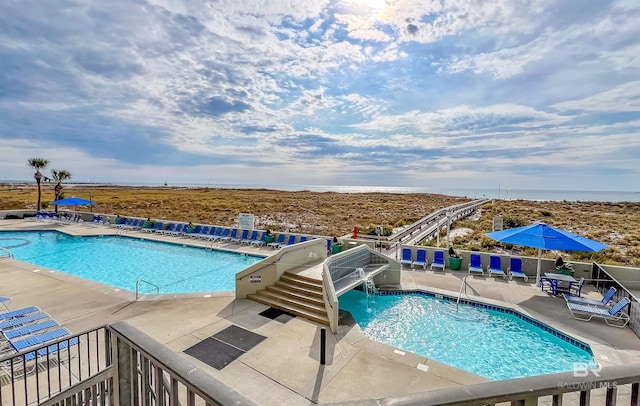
371	4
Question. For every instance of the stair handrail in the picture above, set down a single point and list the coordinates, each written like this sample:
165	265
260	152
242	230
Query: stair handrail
148	283
9	253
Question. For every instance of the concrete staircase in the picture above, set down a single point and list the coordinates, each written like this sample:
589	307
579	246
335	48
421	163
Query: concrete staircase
296	294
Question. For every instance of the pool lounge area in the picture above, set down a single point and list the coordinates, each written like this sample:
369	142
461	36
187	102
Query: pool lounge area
284	368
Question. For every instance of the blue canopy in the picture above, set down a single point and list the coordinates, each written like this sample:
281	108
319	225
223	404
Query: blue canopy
72	201
546	237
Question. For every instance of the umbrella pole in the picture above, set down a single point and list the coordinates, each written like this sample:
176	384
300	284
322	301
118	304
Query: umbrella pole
539	266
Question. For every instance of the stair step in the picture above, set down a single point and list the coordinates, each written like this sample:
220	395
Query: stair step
303	277
314	292
311	284
298	311
301	296
289	300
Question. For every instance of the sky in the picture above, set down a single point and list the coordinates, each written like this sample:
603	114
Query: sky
538	94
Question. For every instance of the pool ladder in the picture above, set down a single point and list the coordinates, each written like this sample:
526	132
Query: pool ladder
148	283
463	289
9	253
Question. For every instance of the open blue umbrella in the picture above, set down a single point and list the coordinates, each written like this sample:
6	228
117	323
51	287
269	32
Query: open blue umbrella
546	237
72	201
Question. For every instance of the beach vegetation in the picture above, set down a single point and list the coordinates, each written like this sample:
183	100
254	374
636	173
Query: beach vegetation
38	164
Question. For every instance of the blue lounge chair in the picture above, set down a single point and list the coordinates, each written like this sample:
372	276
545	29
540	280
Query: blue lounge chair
277	242
421	259
29	329
237	239
495	267
21	321
475	264
203	231
252	238
438	260
170	228
196	230
259	242
157	227
406	257
226	236
221	233
590	302
290	241
613	316
303	239
515	269
18	313
43	353
177	230
37	339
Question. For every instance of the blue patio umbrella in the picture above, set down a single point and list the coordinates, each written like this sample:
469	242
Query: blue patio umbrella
72	201
545	237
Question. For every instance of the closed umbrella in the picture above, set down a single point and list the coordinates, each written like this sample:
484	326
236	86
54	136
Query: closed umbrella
546	237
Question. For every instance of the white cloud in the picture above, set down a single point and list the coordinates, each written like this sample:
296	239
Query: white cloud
624	97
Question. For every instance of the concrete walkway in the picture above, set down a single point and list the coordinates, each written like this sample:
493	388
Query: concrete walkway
284	368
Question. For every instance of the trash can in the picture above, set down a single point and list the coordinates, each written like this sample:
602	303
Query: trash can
336	248
455	263
269	239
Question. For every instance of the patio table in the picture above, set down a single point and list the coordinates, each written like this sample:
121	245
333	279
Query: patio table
554	278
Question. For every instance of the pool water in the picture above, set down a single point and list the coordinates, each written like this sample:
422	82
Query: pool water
121	261
485	342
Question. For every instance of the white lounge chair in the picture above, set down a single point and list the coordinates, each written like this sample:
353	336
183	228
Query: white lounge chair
590	302
613	316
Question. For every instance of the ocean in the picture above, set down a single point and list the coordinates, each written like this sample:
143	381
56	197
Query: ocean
474	193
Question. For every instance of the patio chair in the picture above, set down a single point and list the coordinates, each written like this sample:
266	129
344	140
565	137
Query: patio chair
34	340
438	260
515	269
243	236
170	228
277	242
259	242
203	231
573	289
221	233
495	267
613	316
226	236
178	229
421	258
250	237
157	227
475	264
303	238
290	241
23	320
590	302
406	257
29	329
18	313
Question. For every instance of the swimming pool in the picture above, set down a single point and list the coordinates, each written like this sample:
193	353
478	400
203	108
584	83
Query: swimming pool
486	342
121	261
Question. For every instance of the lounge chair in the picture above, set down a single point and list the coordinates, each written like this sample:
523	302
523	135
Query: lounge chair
5	302
237	239
203	231
29	329
18	313
23	320
495	267
303	239
290	241
277	242
475	264
406	257
196	230
170	228
226	236
157	227
438	260
613	316
221	233
209	235
515	269
259	242
590	302
178	229
252	238
421	259
34	340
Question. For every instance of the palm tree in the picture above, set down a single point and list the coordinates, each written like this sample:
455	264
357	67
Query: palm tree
37	164
59	176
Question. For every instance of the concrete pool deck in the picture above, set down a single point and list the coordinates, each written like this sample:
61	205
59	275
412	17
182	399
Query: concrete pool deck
284	368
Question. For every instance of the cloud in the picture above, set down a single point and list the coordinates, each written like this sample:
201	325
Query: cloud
622	98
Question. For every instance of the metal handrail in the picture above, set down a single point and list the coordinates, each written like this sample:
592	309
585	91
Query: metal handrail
9	253
462	286
148	283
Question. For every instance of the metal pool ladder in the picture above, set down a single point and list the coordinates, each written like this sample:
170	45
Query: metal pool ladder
9	253
463	288
148	283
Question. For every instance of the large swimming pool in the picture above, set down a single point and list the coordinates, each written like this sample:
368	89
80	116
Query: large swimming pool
121	261
486	342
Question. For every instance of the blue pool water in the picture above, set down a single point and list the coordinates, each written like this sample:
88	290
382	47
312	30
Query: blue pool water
486	342
121	261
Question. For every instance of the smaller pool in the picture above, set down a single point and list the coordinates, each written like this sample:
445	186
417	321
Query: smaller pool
486	342
121	261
